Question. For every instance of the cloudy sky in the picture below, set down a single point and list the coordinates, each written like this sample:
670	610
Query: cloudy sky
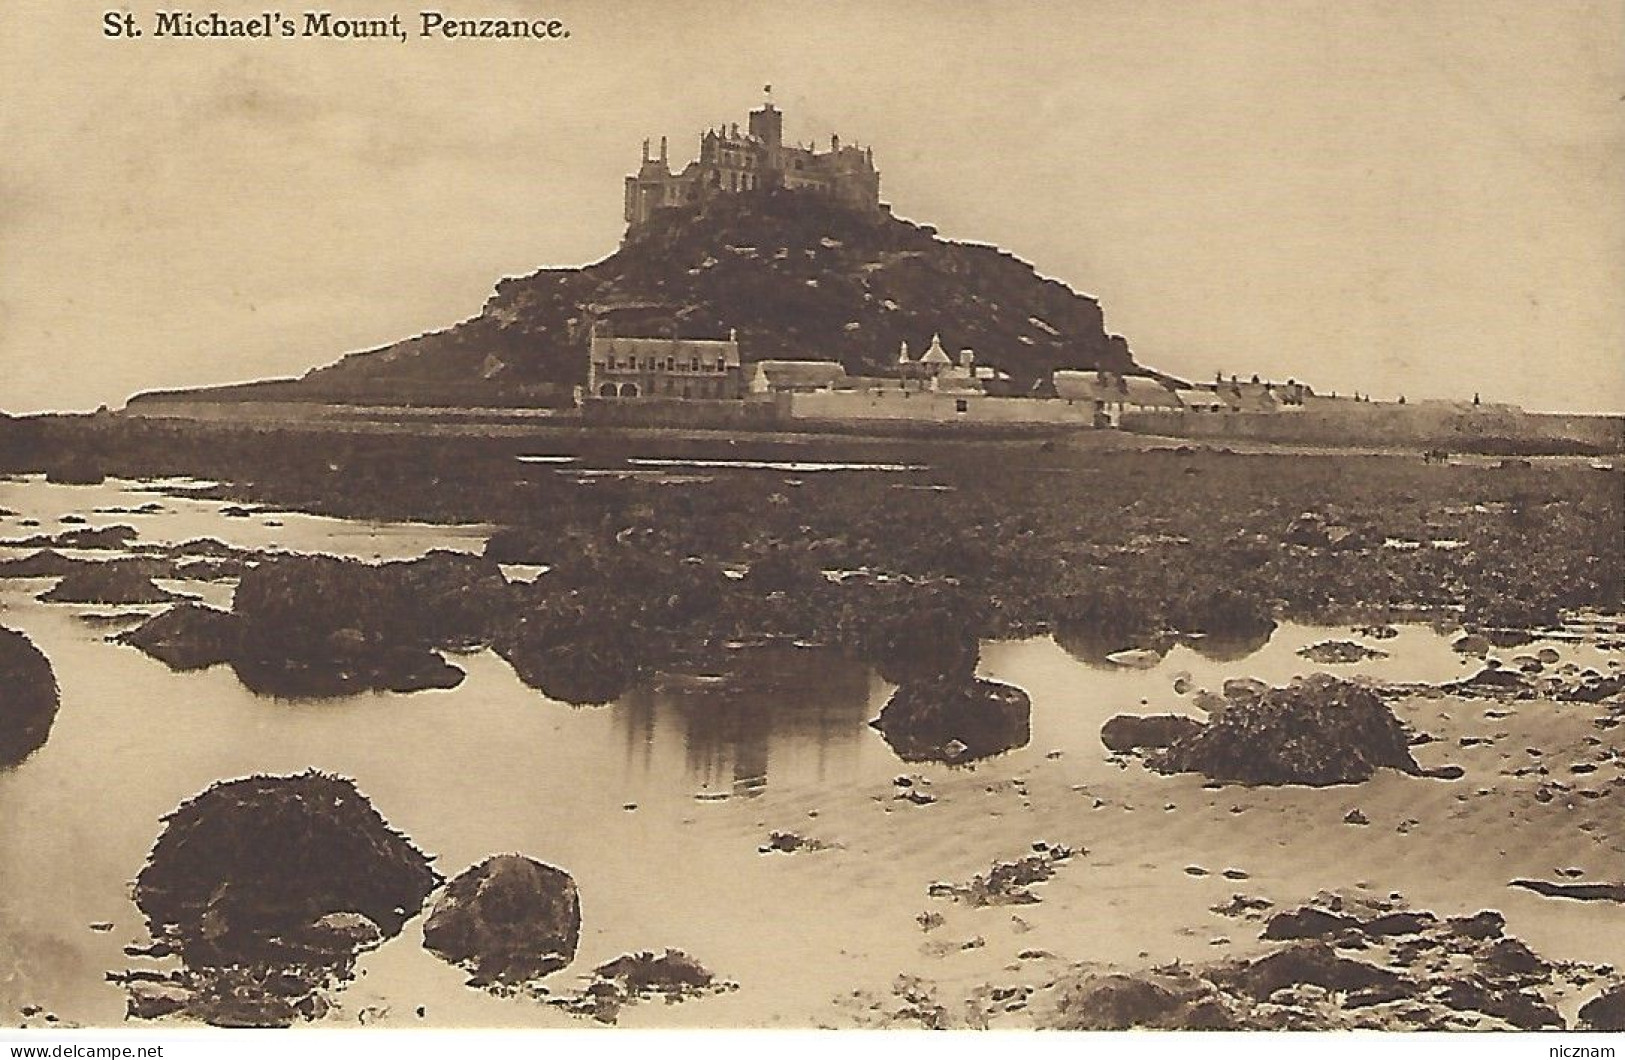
1414	197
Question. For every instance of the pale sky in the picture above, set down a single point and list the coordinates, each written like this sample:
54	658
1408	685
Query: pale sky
1414	197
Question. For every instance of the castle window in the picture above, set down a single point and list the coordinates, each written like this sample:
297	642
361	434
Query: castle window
694	364
719	364
671	366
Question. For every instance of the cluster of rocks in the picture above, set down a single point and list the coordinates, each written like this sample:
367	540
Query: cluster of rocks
261	893
1353	964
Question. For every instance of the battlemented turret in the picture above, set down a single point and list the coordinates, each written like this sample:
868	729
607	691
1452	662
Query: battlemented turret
731	162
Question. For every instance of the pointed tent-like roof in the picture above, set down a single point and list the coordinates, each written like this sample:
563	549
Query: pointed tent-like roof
936	354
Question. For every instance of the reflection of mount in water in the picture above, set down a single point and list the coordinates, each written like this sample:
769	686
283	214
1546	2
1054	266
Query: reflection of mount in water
757	709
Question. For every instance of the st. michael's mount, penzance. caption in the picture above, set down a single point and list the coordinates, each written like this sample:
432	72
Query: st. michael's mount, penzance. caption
274	25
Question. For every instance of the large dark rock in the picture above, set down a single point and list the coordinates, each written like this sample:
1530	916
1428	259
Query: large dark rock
186	637
28	697
251	863
320	626
955	720
509	919
1317	730
1130	732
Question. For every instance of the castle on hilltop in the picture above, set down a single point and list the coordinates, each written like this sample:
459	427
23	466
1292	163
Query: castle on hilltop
731	162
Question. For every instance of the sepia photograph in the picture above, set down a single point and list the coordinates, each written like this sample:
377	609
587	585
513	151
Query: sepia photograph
773	515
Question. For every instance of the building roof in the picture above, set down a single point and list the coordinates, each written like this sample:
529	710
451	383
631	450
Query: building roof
1108	388
801	375
936	354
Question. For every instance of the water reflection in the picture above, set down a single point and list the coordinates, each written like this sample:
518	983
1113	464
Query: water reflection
753	707
1093	648
1230	648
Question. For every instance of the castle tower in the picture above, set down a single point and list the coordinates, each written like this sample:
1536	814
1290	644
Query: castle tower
767	125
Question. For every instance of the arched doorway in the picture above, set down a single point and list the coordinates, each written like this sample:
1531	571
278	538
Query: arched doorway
607	390
629	390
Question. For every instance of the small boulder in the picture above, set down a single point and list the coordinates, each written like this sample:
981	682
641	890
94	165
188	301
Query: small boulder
509	919
924	720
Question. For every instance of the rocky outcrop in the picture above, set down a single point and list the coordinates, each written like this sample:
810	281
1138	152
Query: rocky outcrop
508	920
1347	964
319	626
1317	731
28	697
267	888
955	720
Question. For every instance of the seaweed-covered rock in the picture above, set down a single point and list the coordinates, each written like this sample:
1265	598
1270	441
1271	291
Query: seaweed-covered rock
186	637
251	862
113	582
1317	731
585	665
318	626
28	697
509	919
673	976
1129	732
955	720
